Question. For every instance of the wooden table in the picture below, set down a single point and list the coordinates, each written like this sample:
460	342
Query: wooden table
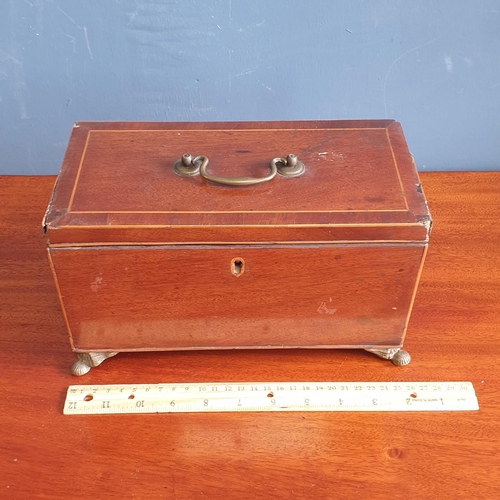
454	335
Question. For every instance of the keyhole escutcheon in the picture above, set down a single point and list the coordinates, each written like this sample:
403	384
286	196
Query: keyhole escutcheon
237	266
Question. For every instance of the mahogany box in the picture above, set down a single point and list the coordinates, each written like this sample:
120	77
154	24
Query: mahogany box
171	236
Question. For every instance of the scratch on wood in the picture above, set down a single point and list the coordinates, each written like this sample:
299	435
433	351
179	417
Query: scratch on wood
323	309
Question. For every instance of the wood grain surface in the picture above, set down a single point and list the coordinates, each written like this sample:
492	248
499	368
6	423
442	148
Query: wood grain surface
117	183
453	335
183	297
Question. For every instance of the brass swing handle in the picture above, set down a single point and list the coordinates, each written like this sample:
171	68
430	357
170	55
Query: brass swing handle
188	166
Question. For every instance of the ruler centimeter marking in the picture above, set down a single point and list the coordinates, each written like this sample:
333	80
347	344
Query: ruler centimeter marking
270	396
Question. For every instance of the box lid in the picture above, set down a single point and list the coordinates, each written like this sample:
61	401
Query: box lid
118	185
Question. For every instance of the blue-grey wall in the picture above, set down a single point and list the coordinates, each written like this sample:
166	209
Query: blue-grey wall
434	65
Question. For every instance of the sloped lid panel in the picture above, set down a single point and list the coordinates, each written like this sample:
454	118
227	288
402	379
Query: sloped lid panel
118	177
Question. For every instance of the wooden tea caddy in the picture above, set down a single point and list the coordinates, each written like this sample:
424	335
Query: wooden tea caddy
175	236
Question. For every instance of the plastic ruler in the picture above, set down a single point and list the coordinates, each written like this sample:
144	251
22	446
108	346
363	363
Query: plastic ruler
270	396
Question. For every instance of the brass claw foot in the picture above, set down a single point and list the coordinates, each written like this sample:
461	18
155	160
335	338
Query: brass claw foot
88	360
396	355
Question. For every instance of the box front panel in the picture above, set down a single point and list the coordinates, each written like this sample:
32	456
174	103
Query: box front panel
133	298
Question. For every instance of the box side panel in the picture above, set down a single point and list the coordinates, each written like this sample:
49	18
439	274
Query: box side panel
56	282
408	173
415	288
68	177
164	298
